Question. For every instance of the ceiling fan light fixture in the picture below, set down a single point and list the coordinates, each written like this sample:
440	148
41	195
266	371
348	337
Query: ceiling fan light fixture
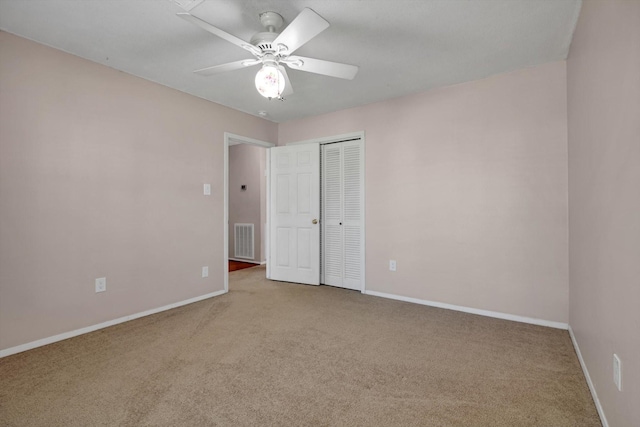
270	81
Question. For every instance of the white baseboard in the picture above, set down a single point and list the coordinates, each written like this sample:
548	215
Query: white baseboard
592	388
81	331
496	314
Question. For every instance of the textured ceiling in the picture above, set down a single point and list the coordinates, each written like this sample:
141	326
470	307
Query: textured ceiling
401	46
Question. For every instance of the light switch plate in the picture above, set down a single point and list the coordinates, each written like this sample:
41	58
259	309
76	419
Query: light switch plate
207	189
205	272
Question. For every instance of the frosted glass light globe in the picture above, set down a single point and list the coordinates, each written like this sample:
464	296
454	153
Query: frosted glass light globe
270	81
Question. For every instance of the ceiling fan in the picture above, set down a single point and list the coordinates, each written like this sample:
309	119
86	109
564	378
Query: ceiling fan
274	49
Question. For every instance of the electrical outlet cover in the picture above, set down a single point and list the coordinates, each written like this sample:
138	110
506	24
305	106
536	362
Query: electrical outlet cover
101	284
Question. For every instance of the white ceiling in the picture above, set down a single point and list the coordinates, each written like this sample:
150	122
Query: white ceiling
401	46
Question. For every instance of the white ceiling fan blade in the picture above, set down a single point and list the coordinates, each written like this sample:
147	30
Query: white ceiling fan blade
220	33
320	66
288	89
303	28
230	66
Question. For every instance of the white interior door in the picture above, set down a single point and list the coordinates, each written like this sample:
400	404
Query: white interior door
294	212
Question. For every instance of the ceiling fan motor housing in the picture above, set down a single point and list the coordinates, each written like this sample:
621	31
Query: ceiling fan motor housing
264	41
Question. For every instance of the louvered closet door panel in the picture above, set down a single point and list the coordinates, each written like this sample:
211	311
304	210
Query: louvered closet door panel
332	259
352	221
343	224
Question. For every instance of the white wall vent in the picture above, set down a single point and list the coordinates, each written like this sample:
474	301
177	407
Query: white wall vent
243	238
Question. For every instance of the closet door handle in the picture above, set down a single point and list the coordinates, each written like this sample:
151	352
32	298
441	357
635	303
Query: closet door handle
315	221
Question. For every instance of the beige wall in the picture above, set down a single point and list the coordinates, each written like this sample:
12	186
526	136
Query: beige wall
247	166
101	174
603	73
466	187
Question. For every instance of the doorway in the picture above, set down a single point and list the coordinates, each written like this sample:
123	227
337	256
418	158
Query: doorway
245	195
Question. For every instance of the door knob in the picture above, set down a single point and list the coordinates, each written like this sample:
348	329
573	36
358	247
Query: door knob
315	221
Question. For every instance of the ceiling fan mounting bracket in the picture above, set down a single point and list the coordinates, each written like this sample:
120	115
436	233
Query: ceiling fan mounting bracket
272	21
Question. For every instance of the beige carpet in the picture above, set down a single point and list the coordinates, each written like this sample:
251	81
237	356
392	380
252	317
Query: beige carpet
271	353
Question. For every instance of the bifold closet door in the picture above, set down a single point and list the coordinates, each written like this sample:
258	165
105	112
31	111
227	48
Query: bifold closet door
342	220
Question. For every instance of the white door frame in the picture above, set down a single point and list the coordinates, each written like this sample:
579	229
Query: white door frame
233	139
334	139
